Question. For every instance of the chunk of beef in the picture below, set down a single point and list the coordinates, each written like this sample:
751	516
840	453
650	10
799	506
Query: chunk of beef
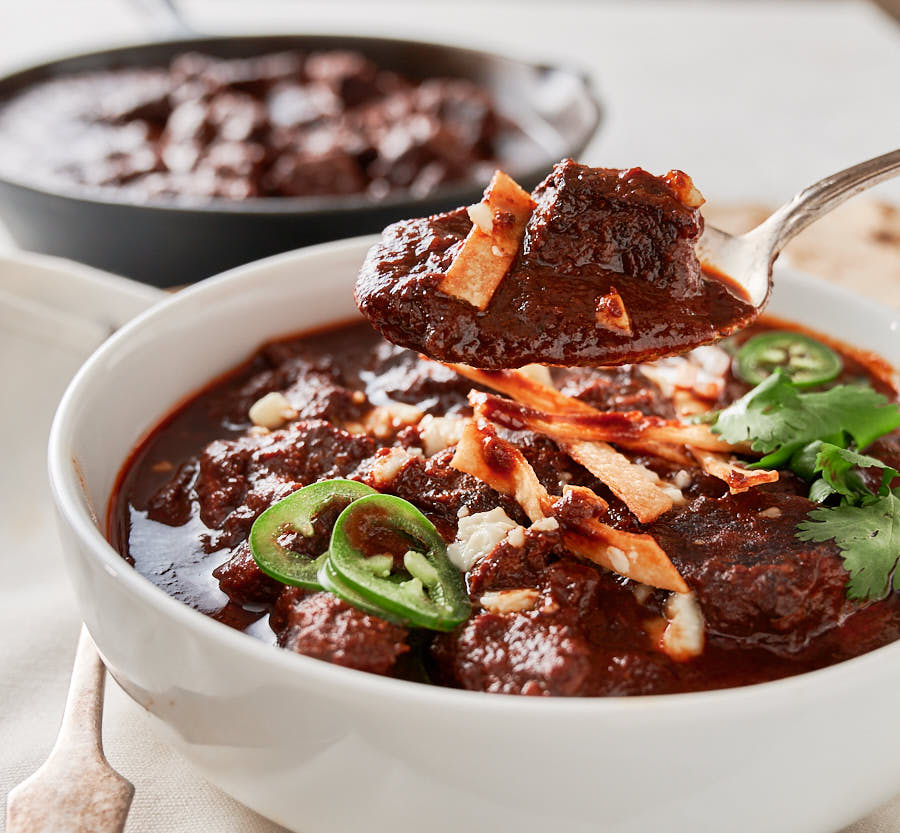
753	577
323	626
243	582
592	230
440	491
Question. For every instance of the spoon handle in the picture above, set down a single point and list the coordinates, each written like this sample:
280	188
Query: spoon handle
825	195
75	790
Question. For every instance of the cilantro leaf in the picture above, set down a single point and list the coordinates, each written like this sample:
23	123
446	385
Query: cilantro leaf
868	536
838	467
777	420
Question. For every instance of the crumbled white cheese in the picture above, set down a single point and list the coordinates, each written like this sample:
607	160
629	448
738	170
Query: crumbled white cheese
682	479
462	512
684	635
549	524
673	492
480	215
516	537
272	411
714	360
618	559
387	466
477	535
496	251
771	512
641	592
510	601
701	371
539	373
383	420
438	433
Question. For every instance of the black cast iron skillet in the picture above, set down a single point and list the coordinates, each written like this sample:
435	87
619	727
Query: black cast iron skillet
167	242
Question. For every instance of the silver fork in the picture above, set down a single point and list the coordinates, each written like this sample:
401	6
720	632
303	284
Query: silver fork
747	258
75	790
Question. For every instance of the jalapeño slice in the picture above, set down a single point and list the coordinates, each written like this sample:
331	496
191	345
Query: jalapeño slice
296	513
428	592
334	584
805	361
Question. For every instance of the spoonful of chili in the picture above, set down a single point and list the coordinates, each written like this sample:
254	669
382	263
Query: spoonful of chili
596	266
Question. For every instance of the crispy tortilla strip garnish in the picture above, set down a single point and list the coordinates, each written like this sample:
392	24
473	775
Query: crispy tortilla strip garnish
635	485
674	453
611	313
499	464
524	389
598	426
487	457
492	243
737	477
639	488
634	555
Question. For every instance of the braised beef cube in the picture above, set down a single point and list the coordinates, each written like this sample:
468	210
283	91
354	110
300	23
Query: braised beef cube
514	654
237	117
323	626
145	99
401	376
292	105
411	145
189	123
349	74
236	160
303	174
309	451
243	582
753	577
464	109
625	222
171	504
441	491
614	389
510	567
222	482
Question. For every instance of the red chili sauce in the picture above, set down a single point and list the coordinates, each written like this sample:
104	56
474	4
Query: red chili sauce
772	605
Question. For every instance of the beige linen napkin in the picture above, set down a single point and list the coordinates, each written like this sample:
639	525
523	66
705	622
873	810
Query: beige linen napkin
39	351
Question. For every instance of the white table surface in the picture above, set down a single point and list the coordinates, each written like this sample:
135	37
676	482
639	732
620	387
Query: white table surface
753	99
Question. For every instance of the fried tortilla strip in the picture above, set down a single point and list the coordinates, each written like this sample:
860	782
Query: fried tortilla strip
639	488
524	389
736	476
487	253
634	555
611	313
499	464
635	485
487	457
598	426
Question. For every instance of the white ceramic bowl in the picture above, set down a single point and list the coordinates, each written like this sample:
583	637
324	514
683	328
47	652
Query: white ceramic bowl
324	749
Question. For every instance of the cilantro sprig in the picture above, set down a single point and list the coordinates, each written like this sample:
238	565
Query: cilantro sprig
811	434
777	420
868	536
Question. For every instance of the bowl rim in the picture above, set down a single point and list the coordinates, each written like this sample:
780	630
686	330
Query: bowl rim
67	495
457	192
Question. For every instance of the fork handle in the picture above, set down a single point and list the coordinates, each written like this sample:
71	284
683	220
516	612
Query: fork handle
811	203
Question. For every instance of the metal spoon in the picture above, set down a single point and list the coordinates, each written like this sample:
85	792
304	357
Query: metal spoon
747	258
75	790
